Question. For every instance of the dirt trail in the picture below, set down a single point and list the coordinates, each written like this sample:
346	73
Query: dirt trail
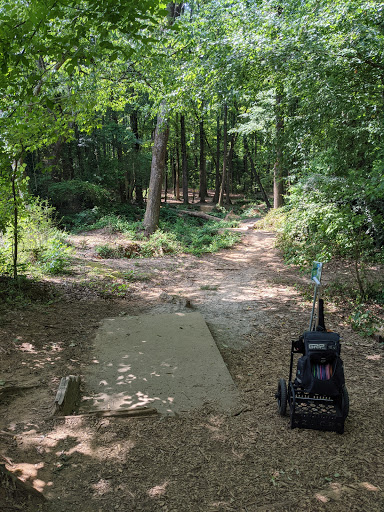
204	460
240	292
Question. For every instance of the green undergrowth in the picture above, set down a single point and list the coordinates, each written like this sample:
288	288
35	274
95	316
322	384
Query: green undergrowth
176	234
365	315
41	247
365	312
361	294
273	220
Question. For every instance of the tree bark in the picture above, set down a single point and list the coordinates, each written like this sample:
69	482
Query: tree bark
229	170
159	152
201	215
152	212
217	176
79	153
138	181
15	220
184	161
278	184
67	160
166	178
203	192
224	175
177	161
255	173
175	9
177	174
123	176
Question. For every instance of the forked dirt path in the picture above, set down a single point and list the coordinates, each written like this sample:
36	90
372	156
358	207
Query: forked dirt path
204	460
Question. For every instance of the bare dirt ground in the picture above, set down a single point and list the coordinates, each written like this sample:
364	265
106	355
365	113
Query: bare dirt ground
204	460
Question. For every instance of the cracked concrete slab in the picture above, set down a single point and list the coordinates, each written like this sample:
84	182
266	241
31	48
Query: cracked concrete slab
167	361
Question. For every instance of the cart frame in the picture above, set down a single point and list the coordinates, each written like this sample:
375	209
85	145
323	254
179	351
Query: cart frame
309	410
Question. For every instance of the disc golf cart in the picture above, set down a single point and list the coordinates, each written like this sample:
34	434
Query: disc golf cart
317	396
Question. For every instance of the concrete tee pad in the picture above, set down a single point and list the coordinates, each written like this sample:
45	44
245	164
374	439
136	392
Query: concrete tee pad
169	362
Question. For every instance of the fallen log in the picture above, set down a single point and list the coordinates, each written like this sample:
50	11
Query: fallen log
123	413
201	215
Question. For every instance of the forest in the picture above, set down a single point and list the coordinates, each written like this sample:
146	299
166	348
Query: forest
189	157
105	104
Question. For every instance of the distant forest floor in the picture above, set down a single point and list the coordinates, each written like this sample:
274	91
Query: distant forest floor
204	460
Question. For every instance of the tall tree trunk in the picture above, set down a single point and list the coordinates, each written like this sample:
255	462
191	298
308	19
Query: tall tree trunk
15	218
203	192
67	162
245	173
184	161
172	164
217	174
224	175
16	196
52	159
136	175
177	174
123	178
152	212
229	170
175	9
166	177
177	160
278	184
255	174
79	154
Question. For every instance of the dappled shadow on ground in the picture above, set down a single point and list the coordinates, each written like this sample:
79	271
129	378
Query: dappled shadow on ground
200	461
203	460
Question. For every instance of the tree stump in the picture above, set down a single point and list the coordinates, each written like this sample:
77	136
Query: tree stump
67	397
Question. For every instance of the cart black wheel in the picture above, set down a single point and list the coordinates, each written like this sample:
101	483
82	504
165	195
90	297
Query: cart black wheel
281	396
344	402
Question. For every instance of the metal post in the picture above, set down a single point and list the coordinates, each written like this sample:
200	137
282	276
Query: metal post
316	278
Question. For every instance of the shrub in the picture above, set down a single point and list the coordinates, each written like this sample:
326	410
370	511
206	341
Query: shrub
321	223
160	243
273	220
41	244
77	195
55	256
363	320
110	251
117	224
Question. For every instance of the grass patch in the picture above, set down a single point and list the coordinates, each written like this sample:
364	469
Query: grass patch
175	235
197	236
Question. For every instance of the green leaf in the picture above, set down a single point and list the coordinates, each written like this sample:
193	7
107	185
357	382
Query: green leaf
107	45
